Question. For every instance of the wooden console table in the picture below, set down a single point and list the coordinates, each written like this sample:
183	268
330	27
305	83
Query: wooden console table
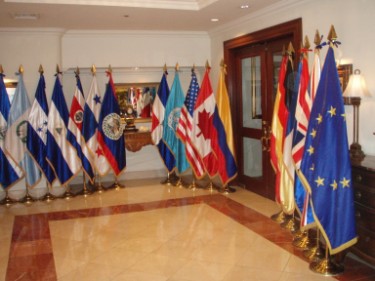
363	176
134	141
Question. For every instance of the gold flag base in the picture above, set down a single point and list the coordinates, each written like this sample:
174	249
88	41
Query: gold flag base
179	183
302	243
326	267
279	217
193	186
290	224
28	199
227	189
314	253
7	201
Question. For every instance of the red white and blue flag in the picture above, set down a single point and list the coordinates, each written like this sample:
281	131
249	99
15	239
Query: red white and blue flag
60	153
110	130
75	129
158	123
185	128
91	115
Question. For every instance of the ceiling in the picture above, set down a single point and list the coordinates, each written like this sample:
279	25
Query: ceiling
170	15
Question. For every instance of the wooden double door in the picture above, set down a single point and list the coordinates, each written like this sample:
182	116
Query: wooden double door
253	66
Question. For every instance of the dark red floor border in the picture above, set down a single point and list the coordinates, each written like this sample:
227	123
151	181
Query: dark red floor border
31	255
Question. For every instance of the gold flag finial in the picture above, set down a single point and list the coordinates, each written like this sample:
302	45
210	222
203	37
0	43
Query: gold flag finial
332	36
58	71
177	67
20	69
193	68
109	69
93	69
290	48
307	43
1	69
317	38
165	68
223	66
77	71
207	65
41	71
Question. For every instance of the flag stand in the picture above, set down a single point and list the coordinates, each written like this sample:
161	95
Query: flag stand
98	184
48	197
326	266
302	240
279	217
168	180
116	185
210	187
179	183
315	253
290	223
68	194
193	186
7	201
85	192
27	199
227	189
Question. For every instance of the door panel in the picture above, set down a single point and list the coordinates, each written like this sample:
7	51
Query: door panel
253	63
258	68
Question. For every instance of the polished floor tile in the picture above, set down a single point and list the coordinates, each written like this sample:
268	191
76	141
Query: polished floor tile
150	231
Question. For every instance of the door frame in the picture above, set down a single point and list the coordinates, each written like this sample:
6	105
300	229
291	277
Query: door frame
291	29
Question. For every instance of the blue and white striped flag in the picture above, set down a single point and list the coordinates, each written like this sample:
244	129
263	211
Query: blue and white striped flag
16	138
10	172
75	130
60	153
37	130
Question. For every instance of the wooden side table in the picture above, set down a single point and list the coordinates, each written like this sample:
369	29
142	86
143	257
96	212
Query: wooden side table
134	141
363	176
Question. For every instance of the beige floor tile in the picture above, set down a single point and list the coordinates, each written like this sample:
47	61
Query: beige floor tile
240	273
159	265
128	275
198	270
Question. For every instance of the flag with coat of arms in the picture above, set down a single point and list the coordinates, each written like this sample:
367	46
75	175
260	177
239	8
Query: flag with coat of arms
111	130
172	115
16	138
37	129
10	172
75	124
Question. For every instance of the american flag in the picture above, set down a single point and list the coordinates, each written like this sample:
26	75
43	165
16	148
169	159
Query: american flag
185	125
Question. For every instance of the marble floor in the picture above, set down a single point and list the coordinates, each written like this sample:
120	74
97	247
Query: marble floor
149	231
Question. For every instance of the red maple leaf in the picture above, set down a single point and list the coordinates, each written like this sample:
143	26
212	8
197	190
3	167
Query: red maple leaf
205	124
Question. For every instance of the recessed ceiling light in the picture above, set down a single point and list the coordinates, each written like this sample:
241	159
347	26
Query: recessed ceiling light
244	6
25	16
214	20
126	16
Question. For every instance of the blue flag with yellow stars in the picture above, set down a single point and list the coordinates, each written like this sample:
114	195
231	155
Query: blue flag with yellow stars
325	167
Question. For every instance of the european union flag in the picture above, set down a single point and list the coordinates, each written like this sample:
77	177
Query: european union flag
325	167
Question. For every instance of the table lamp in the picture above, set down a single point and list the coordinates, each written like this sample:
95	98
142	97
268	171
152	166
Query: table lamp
355	89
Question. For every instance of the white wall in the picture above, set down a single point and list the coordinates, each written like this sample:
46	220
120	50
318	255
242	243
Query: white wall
123	50
353	21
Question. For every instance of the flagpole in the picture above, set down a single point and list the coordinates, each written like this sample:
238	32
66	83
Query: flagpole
85	192
7	201
48	196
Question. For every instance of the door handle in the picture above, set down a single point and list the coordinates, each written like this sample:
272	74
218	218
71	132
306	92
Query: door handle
265	139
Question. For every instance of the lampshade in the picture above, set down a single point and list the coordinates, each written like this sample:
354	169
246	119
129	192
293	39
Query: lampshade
356	86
